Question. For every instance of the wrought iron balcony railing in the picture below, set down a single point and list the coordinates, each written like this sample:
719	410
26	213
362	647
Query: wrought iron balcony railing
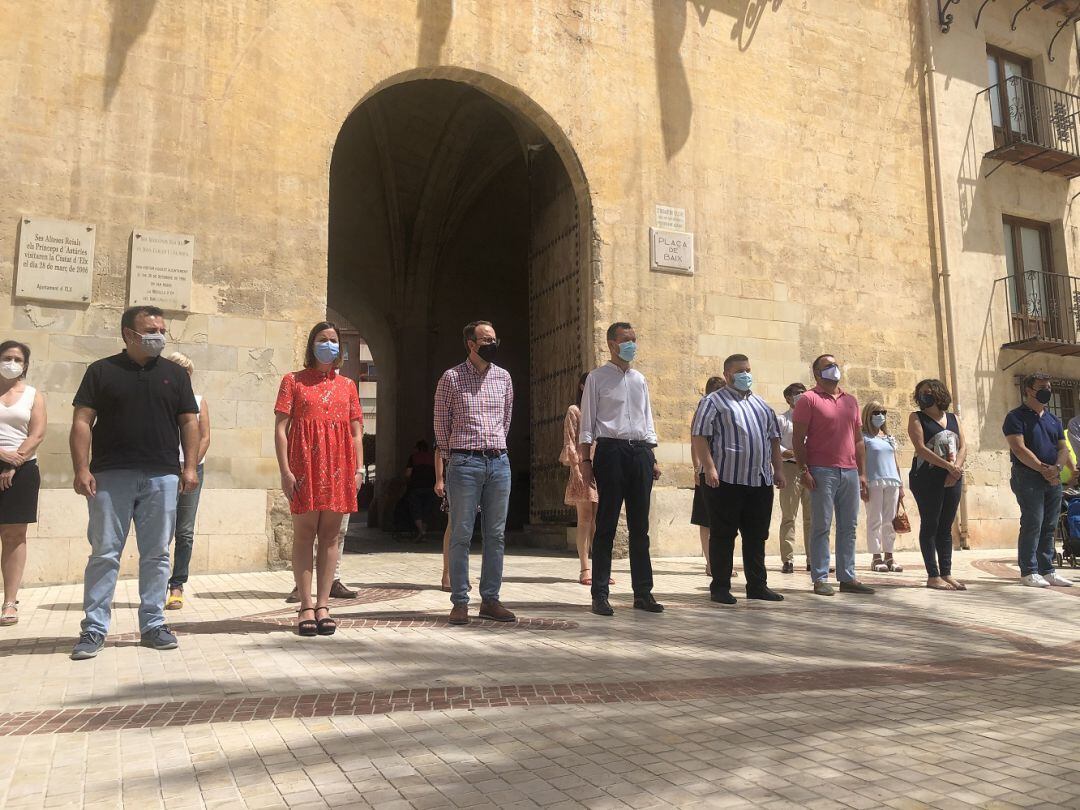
1035	125
1043	311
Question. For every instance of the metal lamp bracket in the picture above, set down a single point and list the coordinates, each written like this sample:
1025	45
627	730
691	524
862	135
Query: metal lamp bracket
944	17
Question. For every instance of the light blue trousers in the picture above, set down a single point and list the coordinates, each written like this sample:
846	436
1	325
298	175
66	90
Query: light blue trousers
837	491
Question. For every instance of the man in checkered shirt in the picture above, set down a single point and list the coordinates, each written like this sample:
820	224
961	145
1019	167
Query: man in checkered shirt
473	405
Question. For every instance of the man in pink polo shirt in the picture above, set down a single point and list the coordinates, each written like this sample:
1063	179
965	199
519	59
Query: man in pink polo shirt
830	455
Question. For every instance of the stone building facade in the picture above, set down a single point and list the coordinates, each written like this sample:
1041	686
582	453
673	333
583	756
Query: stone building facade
415	165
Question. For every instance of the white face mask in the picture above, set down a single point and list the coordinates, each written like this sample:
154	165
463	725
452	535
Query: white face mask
831	373
877	420
11	369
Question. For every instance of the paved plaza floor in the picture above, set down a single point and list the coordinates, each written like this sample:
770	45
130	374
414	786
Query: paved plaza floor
908	698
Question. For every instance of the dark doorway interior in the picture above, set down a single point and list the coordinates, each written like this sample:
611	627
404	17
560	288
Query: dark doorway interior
445	207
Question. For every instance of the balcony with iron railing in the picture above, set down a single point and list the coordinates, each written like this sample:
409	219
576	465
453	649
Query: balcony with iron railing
1043	311
1035	126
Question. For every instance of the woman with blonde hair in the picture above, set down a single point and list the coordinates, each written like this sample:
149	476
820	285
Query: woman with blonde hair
187	503
885	488
583	498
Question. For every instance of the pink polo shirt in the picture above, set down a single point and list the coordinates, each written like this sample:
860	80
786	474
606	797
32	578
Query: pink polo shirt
830	422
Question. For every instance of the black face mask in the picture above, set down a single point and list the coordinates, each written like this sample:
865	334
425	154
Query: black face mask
926	400
487	351
1043	395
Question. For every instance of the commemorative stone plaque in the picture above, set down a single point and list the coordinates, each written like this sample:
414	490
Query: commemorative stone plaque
670	218
56	260
161	270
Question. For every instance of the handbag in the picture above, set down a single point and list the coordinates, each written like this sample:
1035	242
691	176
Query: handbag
900	523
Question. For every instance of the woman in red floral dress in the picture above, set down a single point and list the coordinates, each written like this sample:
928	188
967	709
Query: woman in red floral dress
320	451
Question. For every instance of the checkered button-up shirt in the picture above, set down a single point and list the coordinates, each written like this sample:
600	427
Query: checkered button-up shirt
473	408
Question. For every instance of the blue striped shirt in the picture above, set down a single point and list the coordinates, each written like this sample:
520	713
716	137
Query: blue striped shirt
740	430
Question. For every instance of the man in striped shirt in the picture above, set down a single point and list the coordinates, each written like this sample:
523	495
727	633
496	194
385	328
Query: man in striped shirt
473	405
737	438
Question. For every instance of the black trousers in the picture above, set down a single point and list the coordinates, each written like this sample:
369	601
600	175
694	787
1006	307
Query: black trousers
737	509
623	472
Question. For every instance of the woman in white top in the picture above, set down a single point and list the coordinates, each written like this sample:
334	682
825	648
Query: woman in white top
885	488
22	428
187	504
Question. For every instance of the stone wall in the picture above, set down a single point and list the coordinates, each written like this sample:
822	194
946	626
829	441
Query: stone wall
791	132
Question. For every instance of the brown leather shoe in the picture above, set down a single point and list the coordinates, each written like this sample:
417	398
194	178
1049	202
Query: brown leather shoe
496	612
459	614
339	591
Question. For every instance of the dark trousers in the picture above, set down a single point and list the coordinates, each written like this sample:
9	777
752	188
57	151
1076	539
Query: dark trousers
937	509
623	472
737	509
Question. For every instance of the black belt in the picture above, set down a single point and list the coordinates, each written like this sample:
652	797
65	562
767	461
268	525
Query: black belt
484	453
626	442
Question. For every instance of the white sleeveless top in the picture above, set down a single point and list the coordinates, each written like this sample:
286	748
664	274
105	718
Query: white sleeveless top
15	421
198	404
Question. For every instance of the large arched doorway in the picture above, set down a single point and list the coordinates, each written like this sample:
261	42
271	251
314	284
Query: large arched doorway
450	203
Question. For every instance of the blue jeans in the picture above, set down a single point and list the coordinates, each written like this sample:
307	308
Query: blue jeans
149	499
837	491
187	506
473	481
1040	510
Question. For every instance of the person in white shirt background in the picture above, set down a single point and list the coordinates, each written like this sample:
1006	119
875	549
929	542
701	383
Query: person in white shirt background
22	429
617	438
794	495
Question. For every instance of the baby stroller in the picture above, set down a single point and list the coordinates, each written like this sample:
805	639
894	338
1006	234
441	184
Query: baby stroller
1069	529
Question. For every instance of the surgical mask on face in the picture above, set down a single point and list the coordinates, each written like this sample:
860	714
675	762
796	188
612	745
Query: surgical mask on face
1043	395
831	373
742	380
327	352
11	369
487	351
628	351
925	399
152	344
877	420
795	400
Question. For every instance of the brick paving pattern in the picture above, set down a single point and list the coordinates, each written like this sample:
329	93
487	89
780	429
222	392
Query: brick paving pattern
910	698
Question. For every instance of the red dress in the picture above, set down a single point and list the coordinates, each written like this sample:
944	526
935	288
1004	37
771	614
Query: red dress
321	409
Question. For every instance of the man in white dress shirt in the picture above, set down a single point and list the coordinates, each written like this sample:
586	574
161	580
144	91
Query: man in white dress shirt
616	447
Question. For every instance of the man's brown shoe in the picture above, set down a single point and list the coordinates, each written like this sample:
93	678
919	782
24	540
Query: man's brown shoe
339	591
496	612
459	614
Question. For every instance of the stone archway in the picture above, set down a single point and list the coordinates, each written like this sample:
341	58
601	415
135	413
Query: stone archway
453	197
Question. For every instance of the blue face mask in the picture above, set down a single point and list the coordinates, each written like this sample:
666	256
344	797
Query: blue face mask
742	380
327	352
627	351
877	420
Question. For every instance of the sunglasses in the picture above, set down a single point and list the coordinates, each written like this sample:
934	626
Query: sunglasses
879	413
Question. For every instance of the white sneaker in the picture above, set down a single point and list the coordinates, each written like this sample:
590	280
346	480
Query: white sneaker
1054	578
1034	581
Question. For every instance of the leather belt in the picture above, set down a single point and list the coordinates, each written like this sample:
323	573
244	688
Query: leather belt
626	442
484	453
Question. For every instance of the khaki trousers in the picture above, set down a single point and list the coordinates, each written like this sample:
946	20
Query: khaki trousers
791	497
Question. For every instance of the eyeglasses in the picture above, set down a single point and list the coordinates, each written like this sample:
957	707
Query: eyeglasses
488	341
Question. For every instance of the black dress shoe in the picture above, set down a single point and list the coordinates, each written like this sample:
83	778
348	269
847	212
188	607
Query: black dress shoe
789	568
648	603
724	598
602	607
768	594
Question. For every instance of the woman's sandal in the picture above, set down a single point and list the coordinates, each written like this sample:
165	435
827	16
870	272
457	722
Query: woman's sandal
584	577
957	584
878	565
7	621
307	627
894	566
326	626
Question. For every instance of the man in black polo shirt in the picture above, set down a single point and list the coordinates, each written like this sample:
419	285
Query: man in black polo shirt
132	412
1038	450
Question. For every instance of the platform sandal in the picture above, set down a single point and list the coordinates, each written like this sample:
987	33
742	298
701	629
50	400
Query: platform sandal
326	626
7	621
307	627
893	565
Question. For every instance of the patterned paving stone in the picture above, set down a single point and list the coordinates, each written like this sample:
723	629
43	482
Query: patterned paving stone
909	698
